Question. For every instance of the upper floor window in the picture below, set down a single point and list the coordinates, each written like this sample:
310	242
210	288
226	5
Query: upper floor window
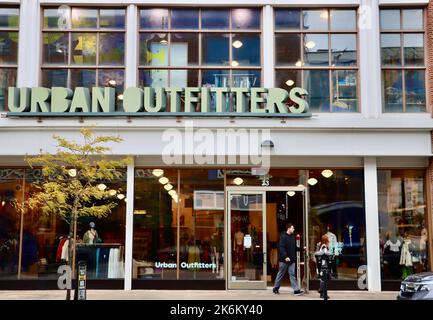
200	47
317	49
9	21
403	60
84	47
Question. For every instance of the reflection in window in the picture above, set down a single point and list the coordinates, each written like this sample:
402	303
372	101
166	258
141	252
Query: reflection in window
288	19
390	47
402	223
343	48
83	48
215	19
154	19
316	20
184	19
93	48
415	90
344	91
337	210
390	19
246	19
403	80
329	42
316	82
316	50
414	49
343	20
9	21
214	51
392	90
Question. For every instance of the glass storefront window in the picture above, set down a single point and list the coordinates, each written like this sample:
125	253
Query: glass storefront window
92	47
403	60
225	40
9	21
337	210
11	189
155	224
316	49
44	243
402	223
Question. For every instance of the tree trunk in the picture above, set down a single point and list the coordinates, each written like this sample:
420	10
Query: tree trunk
71	231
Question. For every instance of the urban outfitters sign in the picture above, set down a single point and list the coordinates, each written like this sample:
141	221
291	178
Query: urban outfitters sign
190	101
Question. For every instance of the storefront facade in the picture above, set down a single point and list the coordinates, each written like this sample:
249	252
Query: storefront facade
198	207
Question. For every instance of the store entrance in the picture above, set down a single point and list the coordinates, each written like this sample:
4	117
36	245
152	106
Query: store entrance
256	216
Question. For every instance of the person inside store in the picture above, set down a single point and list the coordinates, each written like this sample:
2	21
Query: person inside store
287	263
91	235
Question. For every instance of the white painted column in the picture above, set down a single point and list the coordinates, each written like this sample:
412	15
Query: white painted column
268	46
131	46
29	44
372	224
369	59
129	230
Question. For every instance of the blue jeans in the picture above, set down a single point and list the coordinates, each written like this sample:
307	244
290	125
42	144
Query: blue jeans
283	267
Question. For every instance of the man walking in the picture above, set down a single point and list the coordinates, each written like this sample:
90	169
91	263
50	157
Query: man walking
287	260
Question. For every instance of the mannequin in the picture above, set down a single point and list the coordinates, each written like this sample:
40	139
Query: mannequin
91	235
391	254
238	247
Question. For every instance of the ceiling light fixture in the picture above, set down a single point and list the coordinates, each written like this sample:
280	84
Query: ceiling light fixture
238	181
237	44
290	82
327	173
168	187
312	181
120	196
157	172
291	193
163	180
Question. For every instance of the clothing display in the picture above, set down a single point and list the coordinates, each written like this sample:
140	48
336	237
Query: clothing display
103	260
406	255
332	242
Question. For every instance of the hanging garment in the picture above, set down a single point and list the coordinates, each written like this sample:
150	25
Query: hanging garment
65	255
406	256
59	249
394	247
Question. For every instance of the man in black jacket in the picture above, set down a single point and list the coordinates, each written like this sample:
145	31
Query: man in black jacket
287	260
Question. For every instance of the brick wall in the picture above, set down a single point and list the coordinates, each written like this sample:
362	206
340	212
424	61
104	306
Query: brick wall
429	173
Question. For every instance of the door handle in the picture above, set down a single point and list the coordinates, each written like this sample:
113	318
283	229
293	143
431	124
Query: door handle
264	258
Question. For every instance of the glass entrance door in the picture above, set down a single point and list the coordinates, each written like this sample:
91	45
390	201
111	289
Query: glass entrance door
247	239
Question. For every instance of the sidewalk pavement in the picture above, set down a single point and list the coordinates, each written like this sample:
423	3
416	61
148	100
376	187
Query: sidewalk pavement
196	295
